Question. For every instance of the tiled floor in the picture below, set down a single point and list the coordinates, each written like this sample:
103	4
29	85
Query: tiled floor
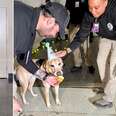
75	102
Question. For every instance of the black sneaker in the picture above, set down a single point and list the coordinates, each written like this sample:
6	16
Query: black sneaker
91	69
98	90
76	69
103	103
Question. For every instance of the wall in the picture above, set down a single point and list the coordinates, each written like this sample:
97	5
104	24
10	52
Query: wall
6	38
34	3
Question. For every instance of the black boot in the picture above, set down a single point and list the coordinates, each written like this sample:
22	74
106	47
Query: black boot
91	69
98	90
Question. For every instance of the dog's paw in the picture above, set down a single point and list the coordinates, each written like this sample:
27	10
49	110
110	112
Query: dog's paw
25	102
58	102
48	105
35	95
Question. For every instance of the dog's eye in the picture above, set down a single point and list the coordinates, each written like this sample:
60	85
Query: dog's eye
59	64
52	65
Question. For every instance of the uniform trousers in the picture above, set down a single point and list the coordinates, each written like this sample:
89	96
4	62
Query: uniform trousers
107	52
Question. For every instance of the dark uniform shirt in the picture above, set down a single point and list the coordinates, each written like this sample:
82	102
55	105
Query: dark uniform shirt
25	21
107	25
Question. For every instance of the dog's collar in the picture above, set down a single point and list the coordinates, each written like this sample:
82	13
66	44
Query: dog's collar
47	74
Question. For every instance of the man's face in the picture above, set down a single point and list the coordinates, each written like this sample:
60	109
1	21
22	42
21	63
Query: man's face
49	28
97	7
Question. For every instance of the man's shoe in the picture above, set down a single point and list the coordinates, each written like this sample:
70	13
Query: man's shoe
91	69
103	103
76	69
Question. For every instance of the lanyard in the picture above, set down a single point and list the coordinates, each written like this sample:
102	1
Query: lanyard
95	27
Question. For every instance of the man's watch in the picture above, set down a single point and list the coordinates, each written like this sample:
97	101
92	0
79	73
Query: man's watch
68	50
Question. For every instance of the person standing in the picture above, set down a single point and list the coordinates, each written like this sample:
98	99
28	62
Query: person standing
48	20
101	19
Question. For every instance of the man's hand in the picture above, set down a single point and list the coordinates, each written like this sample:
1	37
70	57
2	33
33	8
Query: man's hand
16	105
51	80
63	53
43	76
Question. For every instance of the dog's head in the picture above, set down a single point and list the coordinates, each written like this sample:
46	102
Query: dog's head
54	66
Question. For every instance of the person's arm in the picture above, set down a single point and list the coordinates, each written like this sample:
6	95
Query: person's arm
80	37
83	32
25	60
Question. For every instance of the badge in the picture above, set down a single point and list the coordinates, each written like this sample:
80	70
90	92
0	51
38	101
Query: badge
110	26
77	4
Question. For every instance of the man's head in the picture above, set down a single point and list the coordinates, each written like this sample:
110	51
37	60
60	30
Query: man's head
97	7
53	19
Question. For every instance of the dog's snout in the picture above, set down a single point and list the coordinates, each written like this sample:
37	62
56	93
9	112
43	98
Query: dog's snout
59	73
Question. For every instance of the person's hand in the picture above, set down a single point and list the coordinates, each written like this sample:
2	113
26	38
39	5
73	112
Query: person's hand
16	105
51	80
61	53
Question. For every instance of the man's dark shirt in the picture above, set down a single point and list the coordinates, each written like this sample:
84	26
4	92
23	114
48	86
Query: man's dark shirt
107	25
25	21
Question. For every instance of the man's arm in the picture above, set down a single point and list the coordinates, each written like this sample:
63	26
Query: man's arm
83	32
25	59
80	37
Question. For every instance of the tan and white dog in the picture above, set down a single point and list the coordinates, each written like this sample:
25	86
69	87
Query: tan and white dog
26	79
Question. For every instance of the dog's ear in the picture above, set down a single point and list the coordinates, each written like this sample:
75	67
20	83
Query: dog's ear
61	62
47	66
